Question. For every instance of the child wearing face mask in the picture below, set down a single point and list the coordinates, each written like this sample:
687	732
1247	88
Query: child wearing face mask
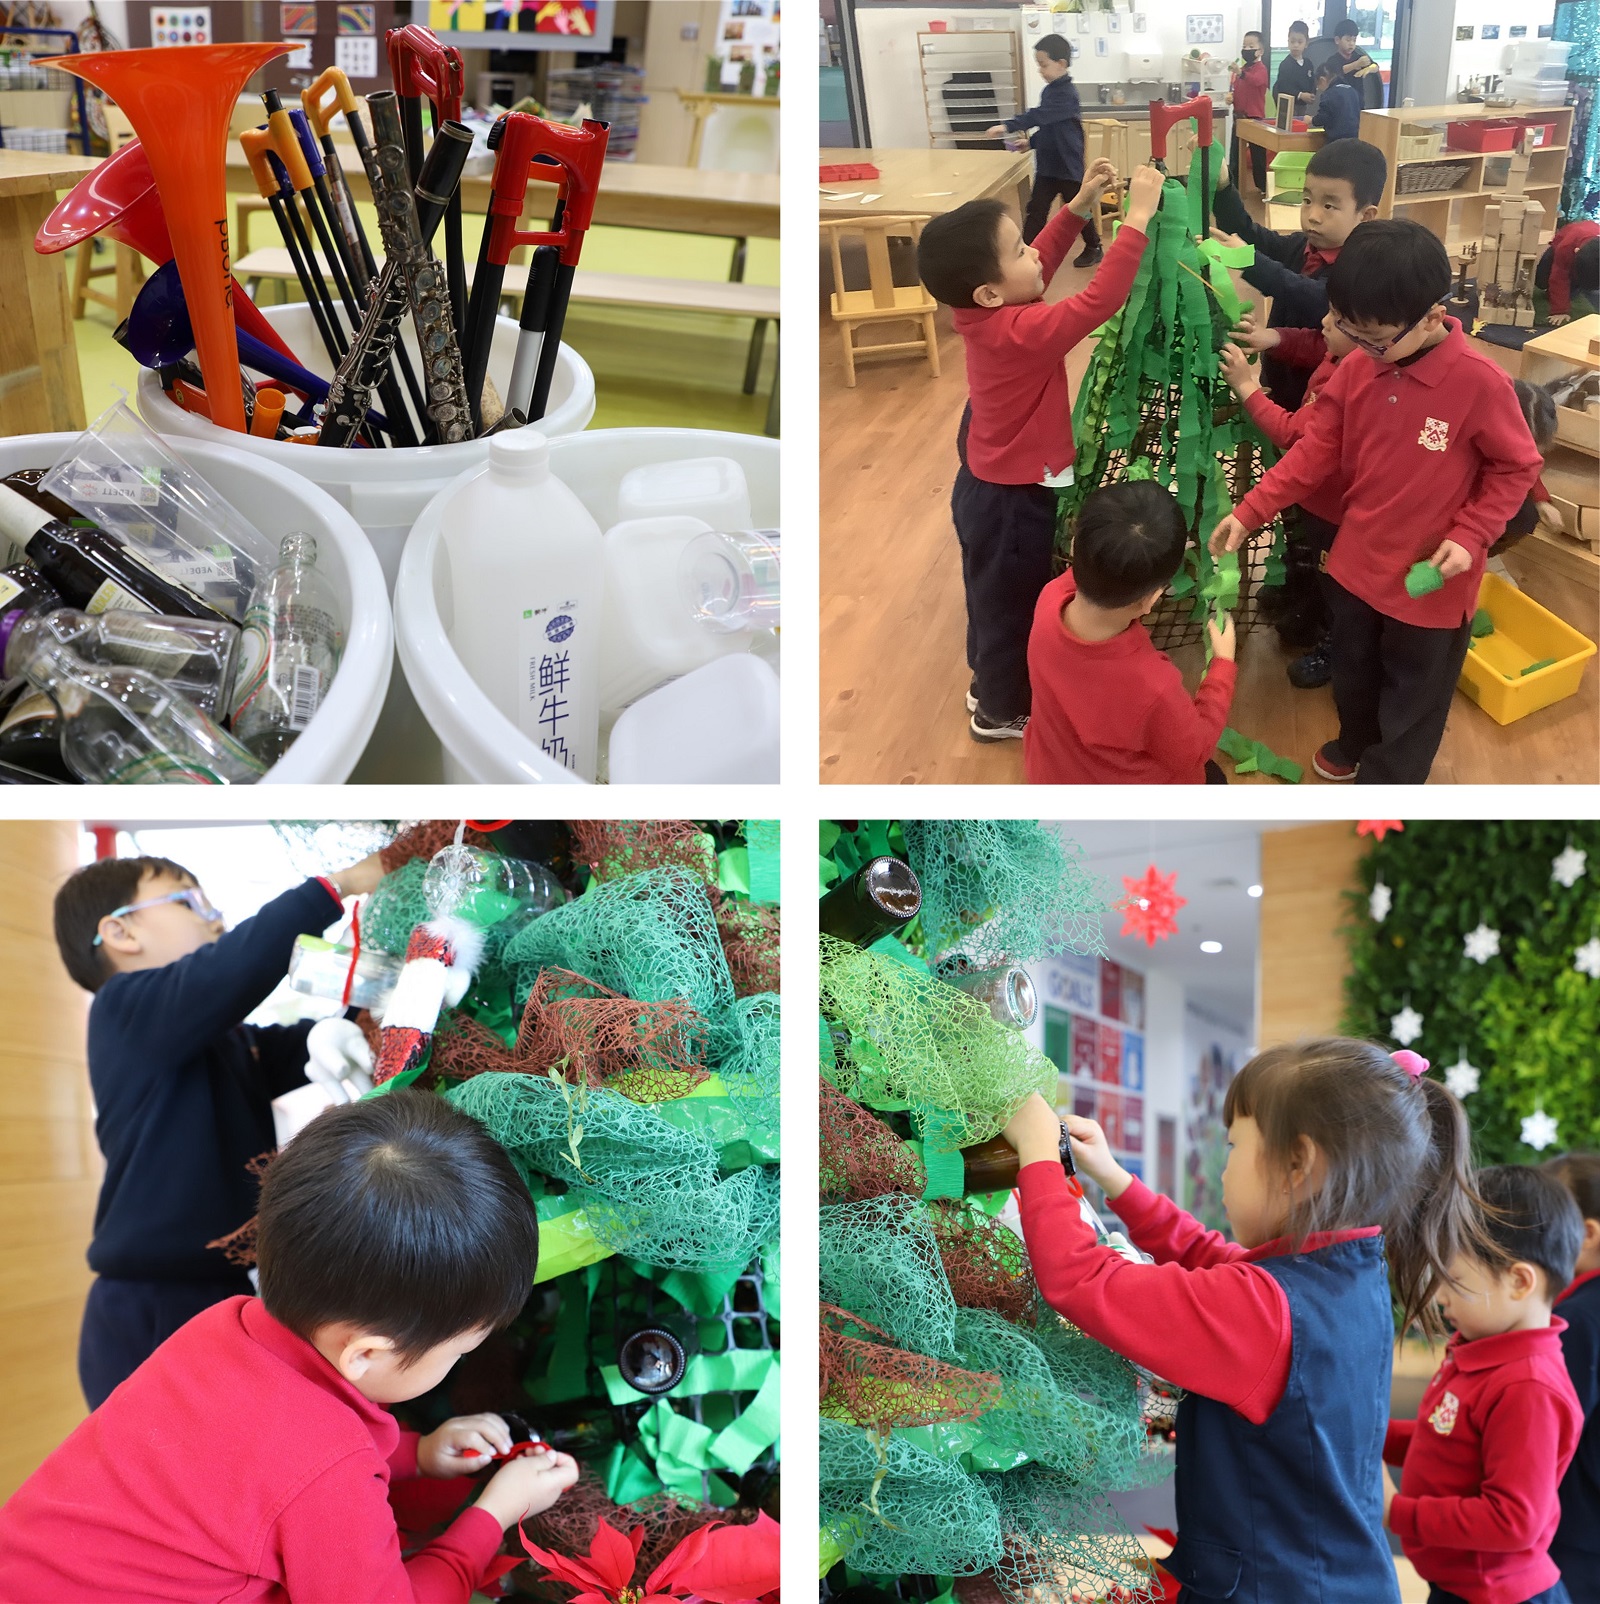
1347	1180
1247	94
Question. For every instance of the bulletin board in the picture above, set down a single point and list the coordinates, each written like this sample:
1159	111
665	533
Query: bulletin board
584	25
748	31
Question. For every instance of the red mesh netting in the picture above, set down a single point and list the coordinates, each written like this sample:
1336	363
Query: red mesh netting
649	1051
984	1261
239	1247
422	840
749	932
879	1385
860	1156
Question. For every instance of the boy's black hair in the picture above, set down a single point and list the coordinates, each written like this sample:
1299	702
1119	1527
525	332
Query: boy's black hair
1389	272
1326	73
1250	33
1539	409
1299	27
1128	541
1580	1174
87	896
400	1215
961	251
1055	47
1359	164
1586	270
1531	1216
1346	30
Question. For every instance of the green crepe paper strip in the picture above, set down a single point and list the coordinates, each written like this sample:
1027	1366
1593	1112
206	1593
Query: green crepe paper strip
394	1083
733	870
629	1478
737	1445
762	839
833	1543
965	1442
772	1279
699	1291
725	1120
940	1153
1482	624
1191	190
1533	668
1422	579
565	1376
681	1452
1252	756
893	947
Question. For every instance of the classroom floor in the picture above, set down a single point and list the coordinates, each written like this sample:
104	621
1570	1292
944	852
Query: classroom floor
891	574
651	369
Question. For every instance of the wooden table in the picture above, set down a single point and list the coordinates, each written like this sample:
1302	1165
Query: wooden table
676	200
914	181
40	389
1253	131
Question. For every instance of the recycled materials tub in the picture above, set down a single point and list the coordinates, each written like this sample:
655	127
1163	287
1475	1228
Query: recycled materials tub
1499	674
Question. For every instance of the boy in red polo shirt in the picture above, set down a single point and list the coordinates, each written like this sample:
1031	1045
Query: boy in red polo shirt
1247	94
1015	439
1436	458
1499	1423
1108	708
249	1458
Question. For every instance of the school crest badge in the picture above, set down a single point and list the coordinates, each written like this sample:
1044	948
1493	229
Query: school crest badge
1443	1418
1435	434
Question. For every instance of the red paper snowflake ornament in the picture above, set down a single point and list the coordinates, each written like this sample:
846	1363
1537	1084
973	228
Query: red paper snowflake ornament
1378	828
1149	906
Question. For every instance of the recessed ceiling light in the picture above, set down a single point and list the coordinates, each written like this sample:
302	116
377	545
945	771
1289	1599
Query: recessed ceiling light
1252	891
1211	946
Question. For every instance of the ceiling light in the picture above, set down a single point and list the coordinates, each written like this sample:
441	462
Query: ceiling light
1252	891
1211	946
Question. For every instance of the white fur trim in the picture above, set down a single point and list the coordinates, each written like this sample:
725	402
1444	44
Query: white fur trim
418	996
466	942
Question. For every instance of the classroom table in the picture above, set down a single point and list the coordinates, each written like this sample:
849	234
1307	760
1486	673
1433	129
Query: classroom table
1253	131
40	390
927	182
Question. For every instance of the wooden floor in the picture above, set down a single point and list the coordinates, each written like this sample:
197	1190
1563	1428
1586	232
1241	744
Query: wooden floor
894	675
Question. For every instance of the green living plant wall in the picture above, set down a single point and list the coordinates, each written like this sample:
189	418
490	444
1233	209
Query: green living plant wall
1527	1017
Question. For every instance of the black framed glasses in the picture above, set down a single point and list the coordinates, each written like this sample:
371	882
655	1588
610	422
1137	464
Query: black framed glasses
1372	348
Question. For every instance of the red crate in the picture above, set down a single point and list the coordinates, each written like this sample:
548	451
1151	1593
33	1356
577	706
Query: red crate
1492	133
1543	133
843	172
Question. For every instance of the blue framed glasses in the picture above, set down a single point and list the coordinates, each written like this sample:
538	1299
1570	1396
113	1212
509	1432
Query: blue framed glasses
192	897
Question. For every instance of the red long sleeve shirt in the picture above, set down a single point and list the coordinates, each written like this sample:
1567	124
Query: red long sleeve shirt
235	1464
1477	1504
1564	248
1115	712
1205	1316
1302	348
1283	428
1021	429
1250	91
1434	450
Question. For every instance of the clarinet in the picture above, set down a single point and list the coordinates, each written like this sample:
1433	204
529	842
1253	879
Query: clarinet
424	286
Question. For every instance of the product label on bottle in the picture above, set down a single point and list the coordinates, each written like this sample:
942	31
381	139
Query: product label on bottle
550	641
20	520
304	695
121	482
9	591
36	705
111	595
189	569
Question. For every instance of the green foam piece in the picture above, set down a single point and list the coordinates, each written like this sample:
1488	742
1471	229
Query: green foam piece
1246	765
1533	668
1482	624
1422	579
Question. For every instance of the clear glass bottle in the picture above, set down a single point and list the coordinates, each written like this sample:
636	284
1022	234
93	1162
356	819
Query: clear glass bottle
122	726
292	641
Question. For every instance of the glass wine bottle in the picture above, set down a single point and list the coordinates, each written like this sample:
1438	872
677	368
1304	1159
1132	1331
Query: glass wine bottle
881	897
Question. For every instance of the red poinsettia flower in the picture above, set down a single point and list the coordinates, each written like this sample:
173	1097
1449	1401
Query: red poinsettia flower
604	1572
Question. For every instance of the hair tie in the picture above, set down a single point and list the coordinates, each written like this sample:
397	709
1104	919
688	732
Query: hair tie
1414	1064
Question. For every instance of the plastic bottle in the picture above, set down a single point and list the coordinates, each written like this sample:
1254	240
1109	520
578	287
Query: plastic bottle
122	726
677	595
710	488
527	575
289	652
24	592
195	658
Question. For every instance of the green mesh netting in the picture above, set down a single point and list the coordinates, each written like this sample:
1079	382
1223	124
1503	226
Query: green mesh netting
902	1508
652	936
1003	890
745	1044
918	1043
880	1260
650	1190
395	908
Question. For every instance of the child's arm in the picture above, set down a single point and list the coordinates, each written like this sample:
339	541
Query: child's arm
1299	347
1056	238
1511	464
1232	218
1298	301
1397	1440
1186	729
1520	1447
1169	1234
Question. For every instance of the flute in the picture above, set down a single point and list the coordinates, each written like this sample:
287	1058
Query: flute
443	376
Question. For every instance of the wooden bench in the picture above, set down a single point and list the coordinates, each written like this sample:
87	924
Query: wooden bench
273	262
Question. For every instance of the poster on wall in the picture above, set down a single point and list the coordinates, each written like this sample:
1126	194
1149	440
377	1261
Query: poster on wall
1215	1048
748	33
522	24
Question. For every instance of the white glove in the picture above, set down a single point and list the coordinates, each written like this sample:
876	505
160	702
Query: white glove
337	1056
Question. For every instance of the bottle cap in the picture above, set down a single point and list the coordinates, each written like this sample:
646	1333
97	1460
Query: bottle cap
524	453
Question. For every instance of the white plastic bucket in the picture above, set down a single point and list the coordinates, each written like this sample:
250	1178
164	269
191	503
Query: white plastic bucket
383	490
481	745
329	747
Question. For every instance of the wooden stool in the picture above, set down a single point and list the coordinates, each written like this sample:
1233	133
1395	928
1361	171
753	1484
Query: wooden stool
273	262
128	266
884	301
247	208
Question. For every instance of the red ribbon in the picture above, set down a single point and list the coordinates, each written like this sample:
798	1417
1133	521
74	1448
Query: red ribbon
355	954
487	826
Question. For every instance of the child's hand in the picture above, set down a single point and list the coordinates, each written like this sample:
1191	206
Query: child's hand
360	878
1223	639
1091	1156
1144	196
1223	237
1556	319
997	131
1100	177
1549	516
1236	369
463	1445
1222	176
1248	331
338	1055
1451	559
525	1486
1035	1131
1229	535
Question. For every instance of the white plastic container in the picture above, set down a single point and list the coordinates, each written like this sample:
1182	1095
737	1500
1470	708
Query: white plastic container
480	744
716	725
328	749
528	575
709	488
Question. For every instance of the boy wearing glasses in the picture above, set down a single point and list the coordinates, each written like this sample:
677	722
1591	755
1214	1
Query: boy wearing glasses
182	1088
1436	457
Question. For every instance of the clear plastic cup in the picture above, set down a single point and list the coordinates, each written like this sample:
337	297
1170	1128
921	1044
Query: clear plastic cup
731	579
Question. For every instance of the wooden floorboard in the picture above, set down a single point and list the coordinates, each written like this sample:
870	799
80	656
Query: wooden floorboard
894	677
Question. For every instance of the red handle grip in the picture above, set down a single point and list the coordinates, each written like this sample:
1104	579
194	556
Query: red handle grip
421	65
578	155
1163	117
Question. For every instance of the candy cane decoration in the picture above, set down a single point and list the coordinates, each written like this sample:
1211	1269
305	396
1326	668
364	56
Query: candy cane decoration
441	958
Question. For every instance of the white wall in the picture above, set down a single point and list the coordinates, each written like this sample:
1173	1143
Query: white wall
113	15
1435	60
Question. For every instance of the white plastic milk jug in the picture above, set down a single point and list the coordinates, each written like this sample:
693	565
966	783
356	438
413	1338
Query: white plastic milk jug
712	488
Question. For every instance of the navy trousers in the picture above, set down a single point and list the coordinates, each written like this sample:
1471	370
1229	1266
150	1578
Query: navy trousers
1045	190
124	1322
1551	1595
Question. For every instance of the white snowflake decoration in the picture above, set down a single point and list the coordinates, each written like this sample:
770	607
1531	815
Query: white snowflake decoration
1586	960
1539	1130
1462	1077
1381	901
1570	867
1482	944
1406	1025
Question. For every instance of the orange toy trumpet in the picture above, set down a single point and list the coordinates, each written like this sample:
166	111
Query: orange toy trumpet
180	102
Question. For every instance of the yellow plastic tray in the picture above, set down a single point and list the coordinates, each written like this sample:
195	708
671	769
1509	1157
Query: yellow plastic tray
1524	633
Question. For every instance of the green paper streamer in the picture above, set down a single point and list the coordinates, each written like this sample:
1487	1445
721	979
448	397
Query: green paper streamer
762	840
1422	579
733	870
1482	624
565	1242
1533	668
738	1446
946	1171
629	1478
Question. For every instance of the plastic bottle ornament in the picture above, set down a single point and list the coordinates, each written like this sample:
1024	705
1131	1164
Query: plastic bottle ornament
464	882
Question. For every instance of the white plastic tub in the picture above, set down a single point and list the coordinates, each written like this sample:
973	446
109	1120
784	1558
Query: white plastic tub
383	490
276	503
481	745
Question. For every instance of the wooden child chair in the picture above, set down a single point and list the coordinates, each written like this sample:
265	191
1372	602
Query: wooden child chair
883	301
125	263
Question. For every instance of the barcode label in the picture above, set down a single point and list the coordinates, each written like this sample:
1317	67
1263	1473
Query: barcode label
305	695
139	487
